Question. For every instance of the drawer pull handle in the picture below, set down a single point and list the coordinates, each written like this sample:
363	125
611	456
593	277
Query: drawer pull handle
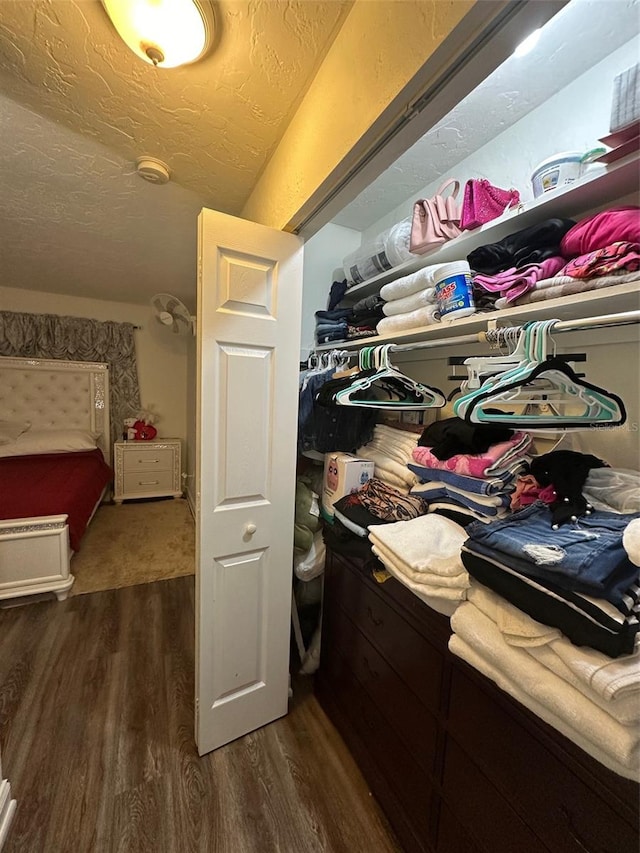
572	830
372	672
250	528
376	622
142	461
149	483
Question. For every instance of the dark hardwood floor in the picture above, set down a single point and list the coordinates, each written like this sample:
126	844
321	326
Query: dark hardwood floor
96	730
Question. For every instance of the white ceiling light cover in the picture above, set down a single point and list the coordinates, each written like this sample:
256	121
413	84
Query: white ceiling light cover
166	33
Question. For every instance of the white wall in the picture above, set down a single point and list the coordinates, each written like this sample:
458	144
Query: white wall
573	119
161	355
320	253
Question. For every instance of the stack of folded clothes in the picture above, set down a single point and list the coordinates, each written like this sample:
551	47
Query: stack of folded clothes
390	449
356	321
592	699
576	576
376	503
424	554
409	302
602	250
469	469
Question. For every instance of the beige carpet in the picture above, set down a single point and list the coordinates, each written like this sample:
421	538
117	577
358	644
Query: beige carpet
133	543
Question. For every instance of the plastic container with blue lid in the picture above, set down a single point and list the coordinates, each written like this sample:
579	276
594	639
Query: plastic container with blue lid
454	290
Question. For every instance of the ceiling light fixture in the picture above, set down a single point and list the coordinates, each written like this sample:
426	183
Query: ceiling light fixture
528	44
165	33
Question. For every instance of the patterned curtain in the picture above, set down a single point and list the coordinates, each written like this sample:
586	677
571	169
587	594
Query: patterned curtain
79	339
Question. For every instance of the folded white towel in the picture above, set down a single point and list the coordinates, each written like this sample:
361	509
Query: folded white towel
517	628
409	284
618	679
625	710
431	579
631	541
517	672
471	655
612	678
410	303
429	543
412	320
391	480
449	599
387	464
399	436
393	451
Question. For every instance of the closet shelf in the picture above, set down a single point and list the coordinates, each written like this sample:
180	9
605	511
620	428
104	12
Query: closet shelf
619	179
609	300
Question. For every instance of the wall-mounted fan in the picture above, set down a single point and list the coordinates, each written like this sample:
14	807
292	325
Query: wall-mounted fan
172	313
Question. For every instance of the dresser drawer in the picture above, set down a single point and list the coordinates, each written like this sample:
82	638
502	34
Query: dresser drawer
452	838
568	815
394	762
148	460
418	663
404	713
486	815
142	483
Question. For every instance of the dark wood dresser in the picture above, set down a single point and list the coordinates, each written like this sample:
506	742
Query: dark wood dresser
456	764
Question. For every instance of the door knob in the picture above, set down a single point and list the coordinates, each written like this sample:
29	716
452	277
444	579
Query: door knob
250	528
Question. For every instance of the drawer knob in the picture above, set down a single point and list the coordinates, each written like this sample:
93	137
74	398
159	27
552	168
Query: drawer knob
250	528
376	622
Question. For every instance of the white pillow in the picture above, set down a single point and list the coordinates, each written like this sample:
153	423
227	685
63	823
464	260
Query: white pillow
49	441
10	430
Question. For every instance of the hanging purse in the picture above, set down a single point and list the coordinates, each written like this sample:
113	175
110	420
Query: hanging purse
483	202
435	220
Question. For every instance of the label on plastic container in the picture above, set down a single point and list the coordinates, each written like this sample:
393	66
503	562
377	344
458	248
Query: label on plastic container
455	293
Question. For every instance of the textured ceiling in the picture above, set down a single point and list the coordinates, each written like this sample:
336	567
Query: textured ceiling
77	108
578	37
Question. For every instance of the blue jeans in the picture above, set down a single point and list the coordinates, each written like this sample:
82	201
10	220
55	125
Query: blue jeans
586	556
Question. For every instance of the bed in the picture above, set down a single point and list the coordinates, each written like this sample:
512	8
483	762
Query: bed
55	454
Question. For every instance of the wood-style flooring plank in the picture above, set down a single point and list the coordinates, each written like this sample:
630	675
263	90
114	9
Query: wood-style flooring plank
96	726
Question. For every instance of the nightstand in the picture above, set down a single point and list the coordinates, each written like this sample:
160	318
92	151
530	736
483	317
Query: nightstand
147	469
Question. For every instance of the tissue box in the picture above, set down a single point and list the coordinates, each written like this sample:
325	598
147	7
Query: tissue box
625	106
343	473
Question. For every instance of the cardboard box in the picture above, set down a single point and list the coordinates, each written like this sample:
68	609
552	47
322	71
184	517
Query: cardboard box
343	473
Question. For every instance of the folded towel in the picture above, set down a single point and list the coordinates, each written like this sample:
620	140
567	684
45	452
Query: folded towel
410	303
625	710
558	700
631	541
412	320
399	454
496	485
600	751
433	597
429	543
517	628
614	679
399	435
434	581
409	284
386	464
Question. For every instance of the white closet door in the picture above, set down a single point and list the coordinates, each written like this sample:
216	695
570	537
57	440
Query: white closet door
248	327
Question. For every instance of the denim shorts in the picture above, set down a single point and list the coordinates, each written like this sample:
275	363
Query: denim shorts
586	555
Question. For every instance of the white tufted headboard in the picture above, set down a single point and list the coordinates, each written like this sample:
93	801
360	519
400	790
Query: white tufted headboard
57	395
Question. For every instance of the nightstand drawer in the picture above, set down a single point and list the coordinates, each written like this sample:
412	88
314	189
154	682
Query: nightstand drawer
148	459
140	483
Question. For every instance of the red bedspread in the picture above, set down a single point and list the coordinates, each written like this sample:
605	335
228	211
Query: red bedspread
52	484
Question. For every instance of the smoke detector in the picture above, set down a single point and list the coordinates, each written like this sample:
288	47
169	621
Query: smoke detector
152	170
